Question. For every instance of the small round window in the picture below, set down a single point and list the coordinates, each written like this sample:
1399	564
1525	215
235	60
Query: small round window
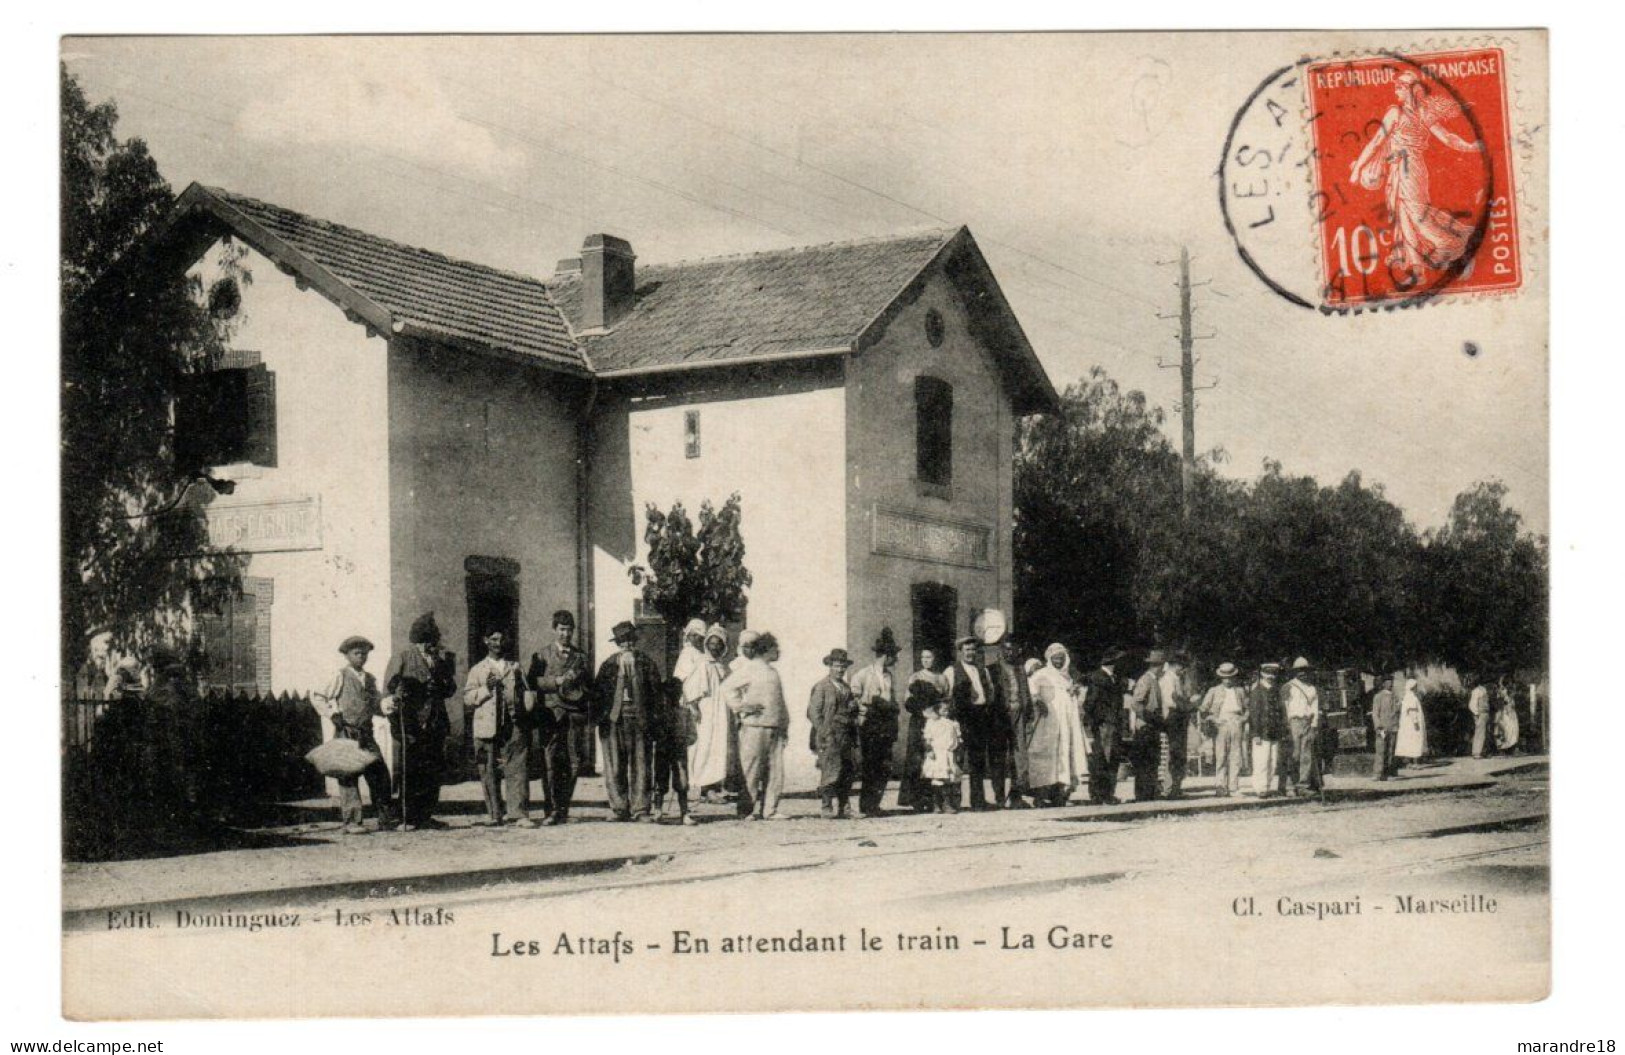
933	327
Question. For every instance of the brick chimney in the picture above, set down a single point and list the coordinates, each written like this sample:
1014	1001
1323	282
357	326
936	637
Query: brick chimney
607	281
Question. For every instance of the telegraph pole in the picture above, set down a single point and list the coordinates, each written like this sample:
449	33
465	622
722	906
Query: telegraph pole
1187	382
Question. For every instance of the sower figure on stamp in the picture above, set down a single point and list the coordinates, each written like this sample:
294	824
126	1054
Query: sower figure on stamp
876	693
558	676
351	701
1146	709
1016	708
832	715
418	682
495	695
982	726
1102	714
625	692
674	725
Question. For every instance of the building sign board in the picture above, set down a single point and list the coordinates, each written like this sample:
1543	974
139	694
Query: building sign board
267	527
918	536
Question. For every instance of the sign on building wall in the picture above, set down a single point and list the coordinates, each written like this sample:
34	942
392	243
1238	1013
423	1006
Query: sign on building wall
267	527
917	536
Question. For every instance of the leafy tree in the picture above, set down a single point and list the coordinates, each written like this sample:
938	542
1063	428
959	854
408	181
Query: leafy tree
1090	484
694	573
1278	565
1483	594
132	558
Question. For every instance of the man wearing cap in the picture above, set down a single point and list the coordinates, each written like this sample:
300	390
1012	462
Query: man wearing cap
558	677
832	716
1303	724
351	701
876	693
1146	710
982	724
417	682
1175	732
1015	701
495	694
1266	722
626	693
1225	706
1102	712
1385	726
754	693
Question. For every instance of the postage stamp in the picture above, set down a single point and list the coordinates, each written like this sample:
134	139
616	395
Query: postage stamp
1413	179
1401	164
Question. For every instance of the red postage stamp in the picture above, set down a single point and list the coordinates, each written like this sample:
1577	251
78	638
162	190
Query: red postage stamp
1414	195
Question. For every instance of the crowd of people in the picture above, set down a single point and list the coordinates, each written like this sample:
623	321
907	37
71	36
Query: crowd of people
983	730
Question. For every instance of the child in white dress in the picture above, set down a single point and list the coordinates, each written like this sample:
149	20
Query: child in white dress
941	764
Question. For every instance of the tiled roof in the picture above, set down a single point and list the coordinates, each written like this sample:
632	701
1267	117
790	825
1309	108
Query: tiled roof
759	304
426	290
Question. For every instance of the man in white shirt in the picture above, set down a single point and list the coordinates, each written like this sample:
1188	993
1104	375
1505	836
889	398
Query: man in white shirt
1478	704
1303	722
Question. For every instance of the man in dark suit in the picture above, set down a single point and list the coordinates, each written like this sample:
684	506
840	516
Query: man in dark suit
626	693
558	676
419	680
1145	739
1102	715
983	726
1015	703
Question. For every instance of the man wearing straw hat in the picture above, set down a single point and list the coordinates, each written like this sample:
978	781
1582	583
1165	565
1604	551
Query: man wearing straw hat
832	712
1225	706
1303	724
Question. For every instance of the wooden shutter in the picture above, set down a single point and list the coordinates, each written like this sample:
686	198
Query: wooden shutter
260	400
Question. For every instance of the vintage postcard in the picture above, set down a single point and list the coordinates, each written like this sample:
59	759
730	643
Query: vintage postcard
786	523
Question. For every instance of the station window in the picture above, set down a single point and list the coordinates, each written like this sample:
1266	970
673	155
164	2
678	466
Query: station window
934	432
691	434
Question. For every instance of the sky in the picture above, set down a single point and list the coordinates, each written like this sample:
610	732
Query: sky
1081	163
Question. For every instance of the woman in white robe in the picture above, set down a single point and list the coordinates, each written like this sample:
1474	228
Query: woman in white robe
1057	754
709	756
1412	742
